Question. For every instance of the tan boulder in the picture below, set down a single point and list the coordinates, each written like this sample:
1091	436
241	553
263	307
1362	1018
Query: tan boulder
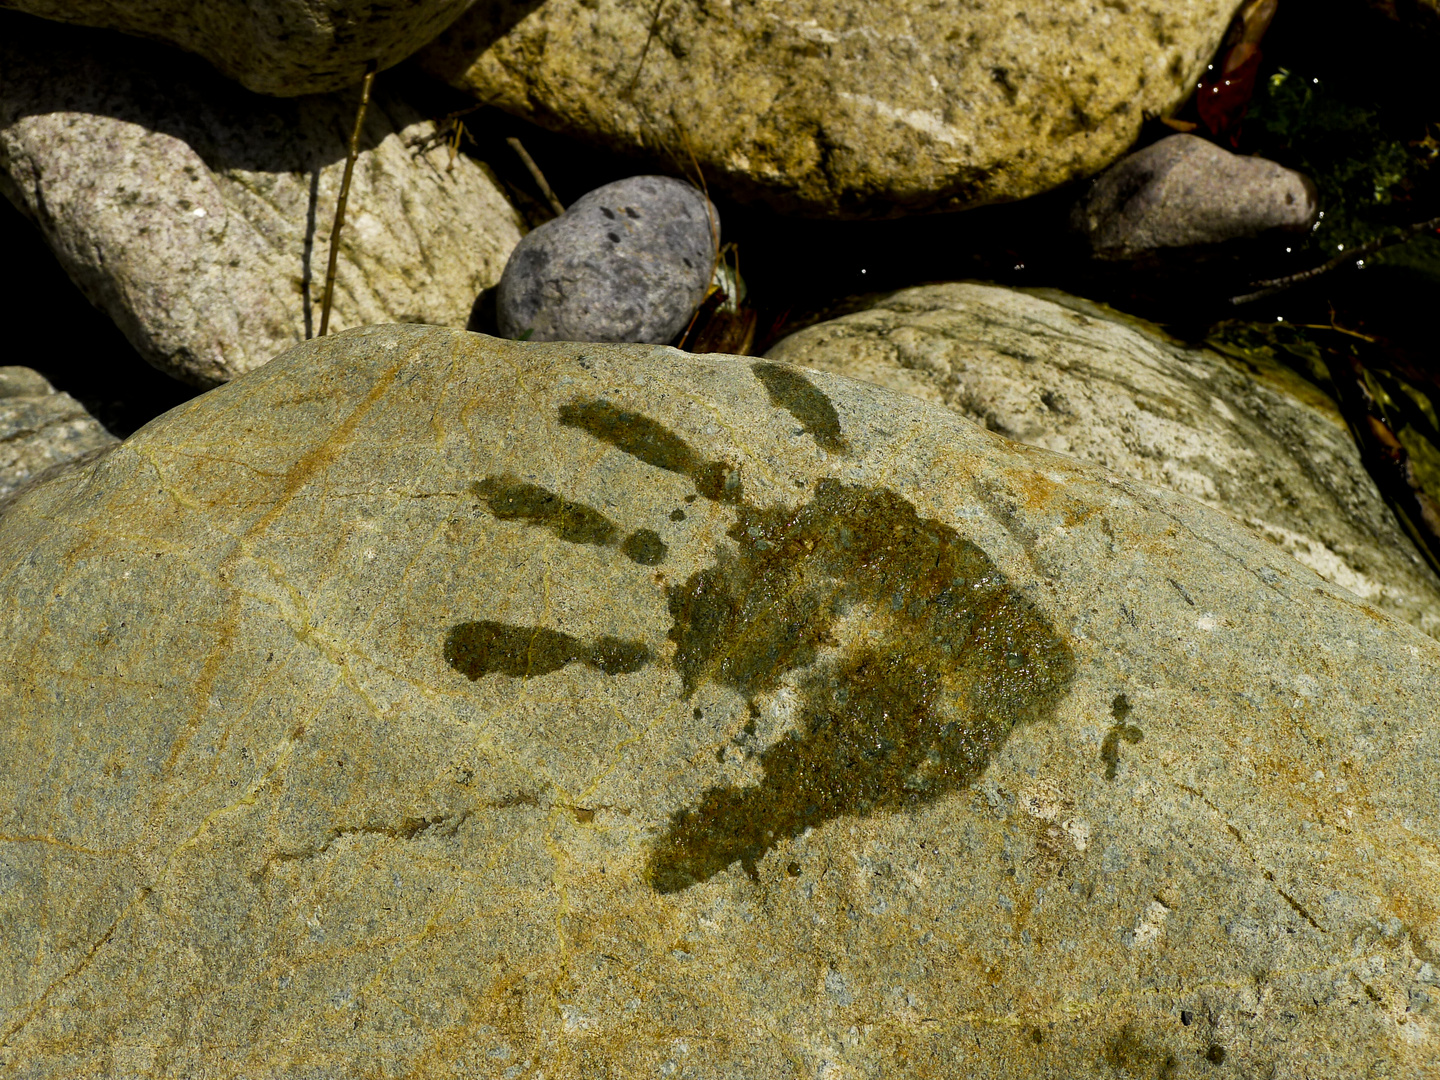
282	47
853	109
197	215
1052	370
425	704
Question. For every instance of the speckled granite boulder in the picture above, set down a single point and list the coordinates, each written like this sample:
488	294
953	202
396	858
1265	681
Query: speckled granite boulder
1055	371
283	47
198	215
425	704
1184	191
41	428
629	261
844	108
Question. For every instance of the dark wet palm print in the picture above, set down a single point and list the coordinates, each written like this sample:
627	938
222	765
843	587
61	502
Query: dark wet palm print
909	655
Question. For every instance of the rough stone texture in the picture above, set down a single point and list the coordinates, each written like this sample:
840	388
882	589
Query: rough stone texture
852	108
629	261
198	215
283	47
1055	371
41	428
1184	191
857	741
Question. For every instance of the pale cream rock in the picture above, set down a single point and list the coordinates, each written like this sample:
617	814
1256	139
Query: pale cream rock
855	109
1056	371
198	215
255	819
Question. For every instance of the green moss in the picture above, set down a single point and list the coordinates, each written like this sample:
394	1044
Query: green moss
1364	169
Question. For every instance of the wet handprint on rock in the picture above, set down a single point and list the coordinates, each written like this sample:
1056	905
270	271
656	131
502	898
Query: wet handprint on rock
899	654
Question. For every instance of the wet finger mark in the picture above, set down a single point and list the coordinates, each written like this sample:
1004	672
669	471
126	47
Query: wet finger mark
477	649
514	500
655	444
510	499
645	547
797	395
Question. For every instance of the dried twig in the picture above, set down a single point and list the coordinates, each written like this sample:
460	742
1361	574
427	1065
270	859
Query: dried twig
639	67
1335	326
447	132
455	145
1275	285
344	195
714	227
539	177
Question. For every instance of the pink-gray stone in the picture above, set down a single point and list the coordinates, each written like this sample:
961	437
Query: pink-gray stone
1184	191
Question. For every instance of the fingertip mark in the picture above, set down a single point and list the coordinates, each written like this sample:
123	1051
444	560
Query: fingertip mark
790	390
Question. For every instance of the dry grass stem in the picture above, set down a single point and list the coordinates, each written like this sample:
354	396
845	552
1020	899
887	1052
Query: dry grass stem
539	177
1275	285
344	196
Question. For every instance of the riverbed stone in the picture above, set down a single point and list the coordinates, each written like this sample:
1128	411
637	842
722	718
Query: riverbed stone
1186	192
844	108
198	215
1053	370
41	428
282	47
629	261
428	704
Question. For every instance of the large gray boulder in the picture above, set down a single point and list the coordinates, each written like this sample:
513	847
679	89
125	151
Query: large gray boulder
1186	192
283	47
41	428
844	107
629	261
198	215
424	704
1049	369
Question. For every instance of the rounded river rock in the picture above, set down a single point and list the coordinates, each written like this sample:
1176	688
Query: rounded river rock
281	47
1252	439
1184	191
424	704
197	215
629	261
844	107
